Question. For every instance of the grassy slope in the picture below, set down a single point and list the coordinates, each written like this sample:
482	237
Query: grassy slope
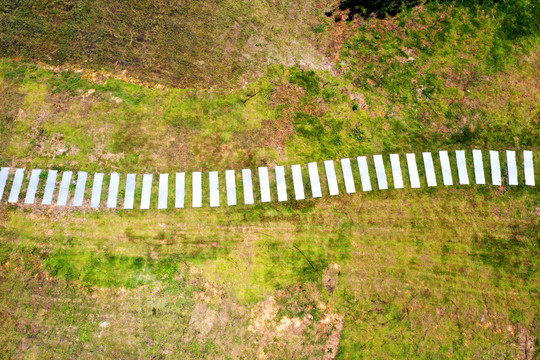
180	43
453	94
438	273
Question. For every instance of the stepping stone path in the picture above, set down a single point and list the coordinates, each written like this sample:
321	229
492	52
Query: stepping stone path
451	167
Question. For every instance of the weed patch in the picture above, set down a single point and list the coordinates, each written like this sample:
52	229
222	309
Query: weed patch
105	270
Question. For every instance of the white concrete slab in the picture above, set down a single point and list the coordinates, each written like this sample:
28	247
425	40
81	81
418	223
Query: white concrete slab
146	192
230	183
264	182
331	177
247	184
380	172
298	182
348	177
512	167
430	169
78	197
529	167
213	180
49	187
32	187
63	193
495	168
314	180
97	185
462	167
196	188
16	186
413	171
364	173
4	173
114	184
129	194
180	195
163	191
479	176
397	176
280	182
445	168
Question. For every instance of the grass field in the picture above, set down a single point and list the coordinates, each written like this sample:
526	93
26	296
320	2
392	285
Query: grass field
438	273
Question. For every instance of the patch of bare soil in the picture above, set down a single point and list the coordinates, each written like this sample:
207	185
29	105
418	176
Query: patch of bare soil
304	336
100	76
526	344
100	154
331	277
53	146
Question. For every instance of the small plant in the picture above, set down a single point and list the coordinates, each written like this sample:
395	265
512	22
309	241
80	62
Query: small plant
305	79
128	232
358	134
69	82
160	235
317	29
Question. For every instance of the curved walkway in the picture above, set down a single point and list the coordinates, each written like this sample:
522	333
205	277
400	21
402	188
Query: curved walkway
454	168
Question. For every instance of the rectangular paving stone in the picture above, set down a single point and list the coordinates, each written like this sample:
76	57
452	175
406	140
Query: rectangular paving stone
4	173
446	169
413	171
380	172
16	186
396	171
49	187
512	167
196	188
213	180
462	167
163	191
264	182
495	168
114	184
298	182
281	185
230	184
247	184
348	177
314	180
146	193
479	176
430	169
331	177
32	187
63	194
97	185
78	197
364	173
529	167
129	194
180	194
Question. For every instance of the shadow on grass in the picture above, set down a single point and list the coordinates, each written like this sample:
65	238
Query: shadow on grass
519	17
508	254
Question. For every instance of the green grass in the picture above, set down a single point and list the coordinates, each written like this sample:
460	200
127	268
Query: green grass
438	80
431	273
451	272
287	116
